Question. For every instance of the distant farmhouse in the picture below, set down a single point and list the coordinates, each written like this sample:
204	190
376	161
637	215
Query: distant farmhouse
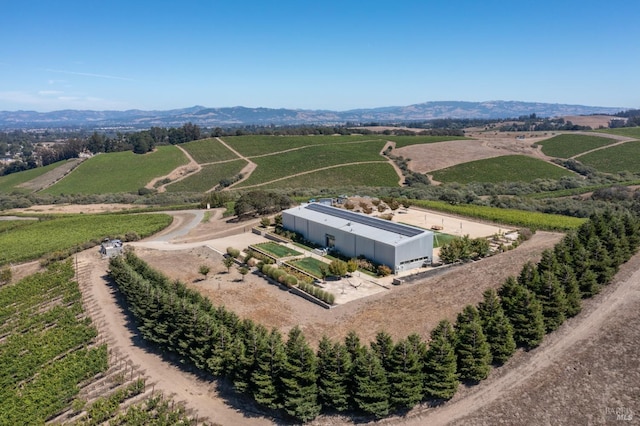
400	247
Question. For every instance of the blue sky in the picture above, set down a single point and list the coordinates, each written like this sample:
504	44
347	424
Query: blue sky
336	55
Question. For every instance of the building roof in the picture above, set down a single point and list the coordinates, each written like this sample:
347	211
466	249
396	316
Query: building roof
385	231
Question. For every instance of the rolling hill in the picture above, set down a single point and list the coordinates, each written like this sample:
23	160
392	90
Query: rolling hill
240	115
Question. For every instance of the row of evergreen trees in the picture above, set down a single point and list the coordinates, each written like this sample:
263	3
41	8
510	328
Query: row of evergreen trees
384	376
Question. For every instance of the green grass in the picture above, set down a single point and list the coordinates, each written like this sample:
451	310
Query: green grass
619	158
440	238
508	168
533	220
310	265
631	132
38	238
419	140
119	172
567	146
371	174
9	183
254	145
277	166
208	151
208	177
278	250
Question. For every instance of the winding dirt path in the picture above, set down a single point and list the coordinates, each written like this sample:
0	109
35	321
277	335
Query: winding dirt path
621	140
246	170
178	173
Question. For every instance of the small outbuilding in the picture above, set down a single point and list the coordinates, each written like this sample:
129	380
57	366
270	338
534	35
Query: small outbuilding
110	248
400	247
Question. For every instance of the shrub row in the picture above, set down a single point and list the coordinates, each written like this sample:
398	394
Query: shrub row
317	292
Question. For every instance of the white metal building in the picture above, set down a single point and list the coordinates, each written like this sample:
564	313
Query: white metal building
400	247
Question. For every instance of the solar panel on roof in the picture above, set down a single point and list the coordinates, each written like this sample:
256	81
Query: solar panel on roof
366	220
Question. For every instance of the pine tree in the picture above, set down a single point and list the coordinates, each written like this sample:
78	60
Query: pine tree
601	263
472	350
253	337
497	328
524	312
299	378
589	284
383	347
371	386
265	378
334	368
568	281
529	276
405	375
440	377
553	299
352	343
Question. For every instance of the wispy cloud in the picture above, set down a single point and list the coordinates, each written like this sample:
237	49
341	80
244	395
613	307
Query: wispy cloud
87	74
50	92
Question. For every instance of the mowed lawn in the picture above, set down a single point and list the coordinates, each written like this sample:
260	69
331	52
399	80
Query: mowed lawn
208	151
369	174
310	158
508	168
254	145
619	158
277	250
208	177
9	183
310	265
567	146
119	172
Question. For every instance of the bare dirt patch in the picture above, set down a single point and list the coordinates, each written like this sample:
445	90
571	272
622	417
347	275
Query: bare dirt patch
593	121
76	208
427	158
399	310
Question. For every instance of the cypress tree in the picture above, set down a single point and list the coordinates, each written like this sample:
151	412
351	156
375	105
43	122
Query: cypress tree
405	375
371	386
524	312
497	328
334	368
299	378
265	378
472	350
440	377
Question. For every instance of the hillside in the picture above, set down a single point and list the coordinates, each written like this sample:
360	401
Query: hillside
240	115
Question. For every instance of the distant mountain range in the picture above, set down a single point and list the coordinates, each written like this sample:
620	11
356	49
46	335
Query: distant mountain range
234	116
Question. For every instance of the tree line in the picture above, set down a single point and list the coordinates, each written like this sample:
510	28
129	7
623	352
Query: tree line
287	376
